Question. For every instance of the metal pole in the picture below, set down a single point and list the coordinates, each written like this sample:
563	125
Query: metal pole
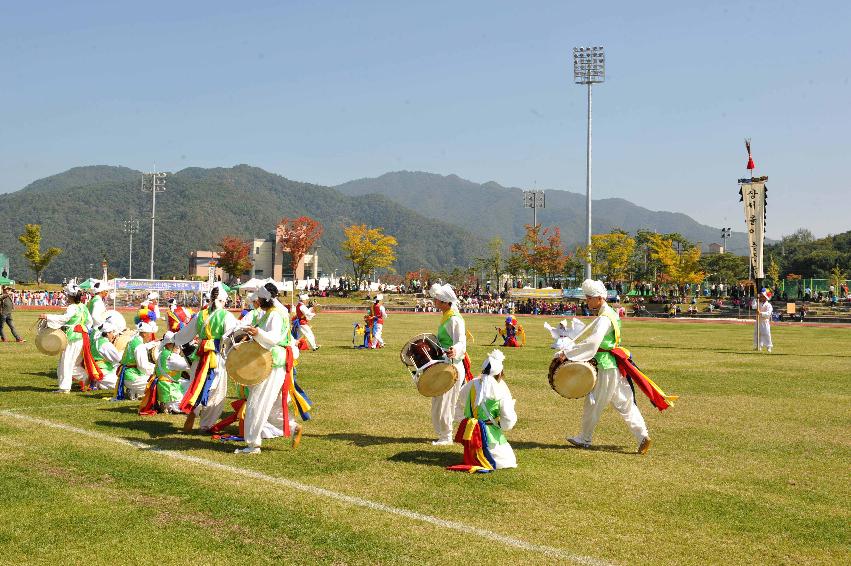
153	217
588	193
130	275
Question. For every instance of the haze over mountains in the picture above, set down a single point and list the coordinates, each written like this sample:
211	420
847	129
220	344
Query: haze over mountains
440	222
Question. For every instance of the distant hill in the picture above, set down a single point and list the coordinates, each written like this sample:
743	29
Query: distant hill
197	209
490	209
88	176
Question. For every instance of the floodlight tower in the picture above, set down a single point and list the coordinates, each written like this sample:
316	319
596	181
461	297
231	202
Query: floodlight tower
154	182
534	199
726	233
589	67
131	227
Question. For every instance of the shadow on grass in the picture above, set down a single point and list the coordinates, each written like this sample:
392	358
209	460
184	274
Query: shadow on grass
180	443
427	457
154	429
11	388
359	439
48	374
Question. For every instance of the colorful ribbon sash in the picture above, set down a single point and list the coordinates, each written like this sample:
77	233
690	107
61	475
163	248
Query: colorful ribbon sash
94	371
205	374
630	371
472	434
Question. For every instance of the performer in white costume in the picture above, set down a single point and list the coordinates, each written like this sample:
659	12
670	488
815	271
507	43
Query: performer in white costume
263	411
97	304
206	392
452	336
106	356
489	398
136	367
75	321
304	315
611	387
762	330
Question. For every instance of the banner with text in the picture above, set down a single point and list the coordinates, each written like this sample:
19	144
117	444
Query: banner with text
753	199
157	285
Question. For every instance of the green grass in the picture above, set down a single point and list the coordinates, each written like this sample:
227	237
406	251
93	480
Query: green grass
751	466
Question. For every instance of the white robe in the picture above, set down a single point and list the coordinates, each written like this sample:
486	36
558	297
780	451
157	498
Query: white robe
263	410
503	454
111	354
378	339
70	366
610	388
443	406
98	314
764	327
210	413
136	388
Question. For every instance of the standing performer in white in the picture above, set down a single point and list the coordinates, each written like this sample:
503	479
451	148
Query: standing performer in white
762	329
452	336
611	387
75	321
264	410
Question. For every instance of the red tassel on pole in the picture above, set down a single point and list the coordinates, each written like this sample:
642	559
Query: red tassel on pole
751	166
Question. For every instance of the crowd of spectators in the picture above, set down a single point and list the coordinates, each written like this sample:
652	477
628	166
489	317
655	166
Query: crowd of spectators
38	298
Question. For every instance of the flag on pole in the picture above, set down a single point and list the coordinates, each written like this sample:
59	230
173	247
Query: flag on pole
751	166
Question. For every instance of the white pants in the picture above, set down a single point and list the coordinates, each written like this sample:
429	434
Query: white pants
274	425
210	414
377	339
308	335
70	366
503	456
764	335
108	382
135	388
261	401
443	407
612	388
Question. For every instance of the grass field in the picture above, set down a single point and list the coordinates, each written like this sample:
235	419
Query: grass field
751	466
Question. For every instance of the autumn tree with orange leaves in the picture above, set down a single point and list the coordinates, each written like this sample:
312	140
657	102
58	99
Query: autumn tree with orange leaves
296	236
234	256
540	250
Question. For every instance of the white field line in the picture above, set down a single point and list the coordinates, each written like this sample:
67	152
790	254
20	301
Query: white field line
512	542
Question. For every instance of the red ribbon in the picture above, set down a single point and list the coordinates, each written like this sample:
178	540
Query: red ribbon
92	369
285	390
468	374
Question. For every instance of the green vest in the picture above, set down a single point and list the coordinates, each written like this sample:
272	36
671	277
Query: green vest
81	317
279	353
168	388
90	306
489	409
129	359
211	326
105	365
443	336
605	360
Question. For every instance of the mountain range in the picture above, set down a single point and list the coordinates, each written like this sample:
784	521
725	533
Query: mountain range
440	222
489	209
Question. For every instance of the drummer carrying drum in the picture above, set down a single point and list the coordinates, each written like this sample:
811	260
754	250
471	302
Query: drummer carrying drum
452	336
594	342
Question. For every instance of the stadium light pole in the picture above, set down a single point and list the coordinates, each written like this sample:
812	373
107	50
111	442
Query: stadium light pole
131	227
589	67
154	182
534	199
726	233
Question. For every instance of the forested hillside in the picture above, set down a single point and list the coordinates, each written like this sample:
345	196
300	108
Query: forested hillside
197	209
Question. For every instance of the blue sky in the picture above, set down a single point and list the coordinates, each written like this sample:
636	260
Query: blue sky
332	91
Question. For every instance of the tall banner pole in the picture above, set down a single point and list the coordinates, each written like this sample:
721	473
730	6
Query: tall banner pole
753	195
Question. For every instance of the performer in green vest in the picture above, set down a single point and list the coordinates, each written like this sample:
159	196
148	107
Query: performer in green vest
206	393
75	322
266	411
105	355
97	304
163	392
452	336
135	367
595	342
